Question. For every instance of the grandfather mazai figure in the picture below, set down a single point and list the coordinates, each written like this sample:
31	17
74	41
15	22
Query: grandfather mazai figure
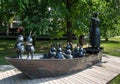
95	32
19	47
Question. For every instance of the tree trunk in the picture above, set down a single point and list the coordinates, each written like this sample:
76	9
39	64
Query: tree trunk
81	40
69	32
106	39
68	22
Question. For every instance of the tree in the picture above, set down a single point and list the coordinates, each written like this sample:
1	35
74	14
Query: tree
58	17
33	14
6	14
110	19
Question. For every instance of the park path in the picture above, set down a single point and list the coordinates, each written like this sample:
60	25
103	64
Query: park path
101	73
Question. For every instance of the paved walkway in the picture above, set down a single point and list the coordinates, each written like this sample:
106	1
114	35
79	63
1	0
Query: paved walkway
100	73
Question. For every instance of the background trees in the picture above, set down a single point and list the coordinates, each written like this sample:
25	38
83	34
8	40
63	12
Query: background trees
110	19
6	14
62	17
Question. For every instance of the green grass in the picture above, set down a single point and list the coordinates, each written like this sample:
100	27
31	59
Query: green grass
112	47
116	80
6	49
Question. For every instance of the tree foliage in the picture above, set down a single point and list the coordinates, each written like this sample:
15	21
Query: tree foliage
110	17
58	17
6	14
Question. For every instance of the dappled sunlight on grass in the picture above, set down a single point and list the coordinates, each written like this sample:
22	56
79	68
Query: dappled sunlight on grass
2	49
112	46
116	80
6	49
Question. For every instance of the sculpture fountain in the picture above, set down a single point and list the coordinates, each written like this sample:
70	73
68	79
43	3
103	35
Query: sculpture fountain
58	62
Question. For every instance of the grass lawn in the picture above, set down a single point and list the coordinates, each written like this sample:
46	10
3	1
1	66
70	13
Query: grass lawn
112	47
6	49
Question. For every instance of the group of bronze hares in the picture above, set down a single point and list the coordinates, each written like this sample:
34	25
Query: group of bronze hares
20	48
68	53
54	52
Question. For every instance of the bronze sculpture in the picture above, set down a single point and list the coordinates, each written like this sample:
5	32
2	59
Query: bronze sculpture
95	32
59	54
79	51
52	52
29	46
19	47
68	51
76	51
